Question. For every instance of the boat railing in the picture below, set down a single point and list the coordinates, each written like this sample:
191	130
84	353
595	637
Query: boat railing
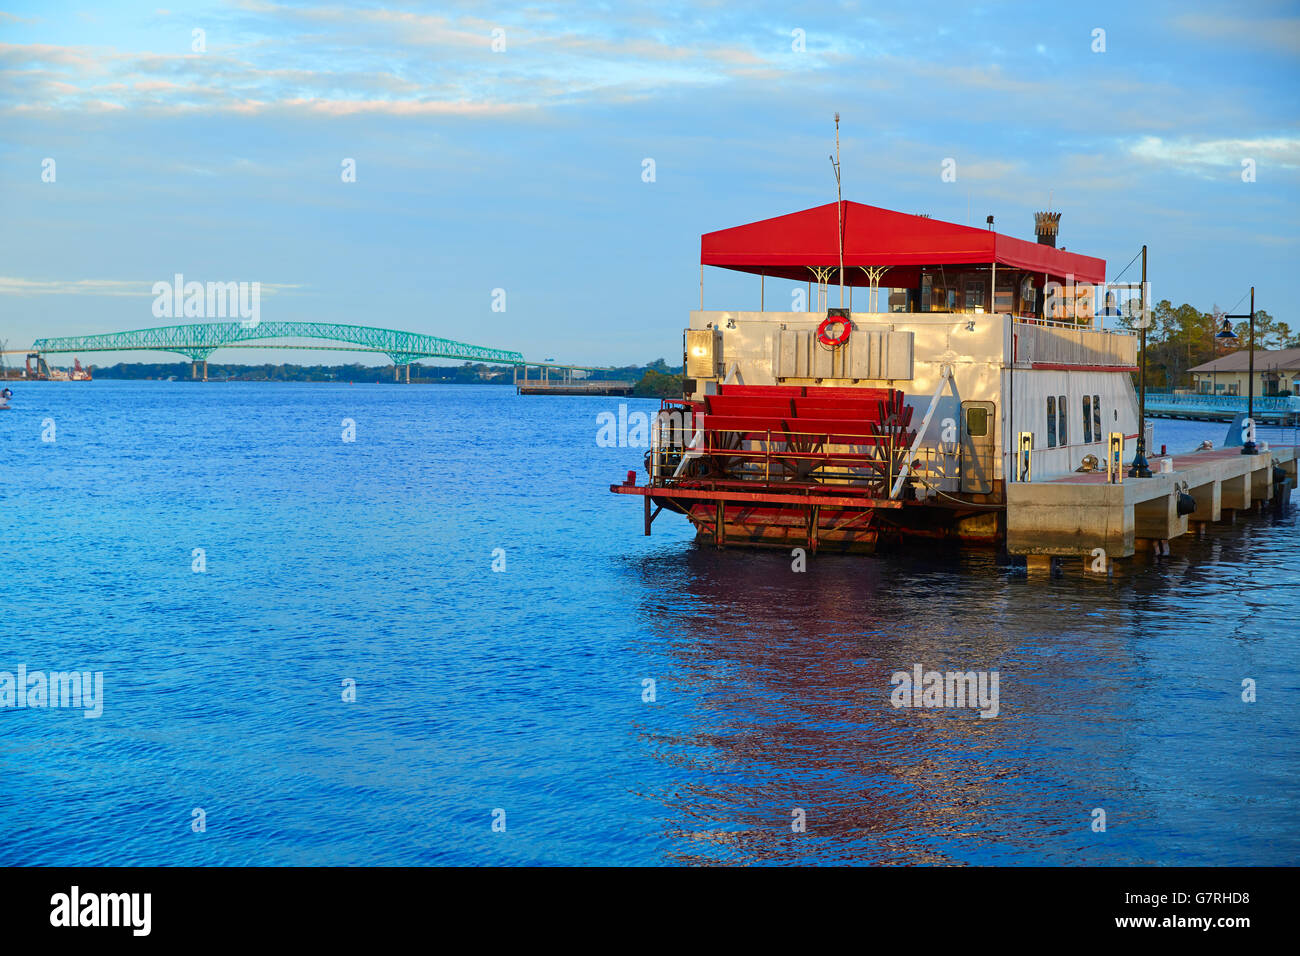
1069	344
1071	326
806	459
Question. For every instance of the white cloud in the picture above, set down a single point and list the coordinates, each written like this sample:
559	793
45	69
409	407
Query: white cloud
1203	155
13	285
1277	33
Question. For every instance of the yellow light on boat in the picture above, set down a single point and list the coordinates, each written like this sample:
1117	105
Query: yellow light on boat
701	352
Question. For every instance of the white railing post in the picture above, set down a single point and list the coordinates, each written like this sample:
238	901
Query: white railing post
944	375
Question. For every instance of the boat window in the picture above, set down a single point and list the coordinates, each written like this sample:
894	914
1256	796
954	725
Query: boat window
1062	432
1051	422
1004	295
1096	416
1028	297
939	299
1087	419
977	422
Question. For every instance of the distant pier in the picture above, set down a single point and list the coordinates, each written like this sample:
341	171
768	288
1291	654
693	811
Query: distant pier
566	380
578	387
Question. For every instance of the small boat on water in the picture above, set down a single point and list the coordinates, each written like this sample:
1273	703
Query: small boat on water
5	394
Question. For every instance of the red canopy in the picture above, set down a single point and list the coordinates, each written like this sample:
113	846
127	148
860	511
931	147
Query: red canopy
786	246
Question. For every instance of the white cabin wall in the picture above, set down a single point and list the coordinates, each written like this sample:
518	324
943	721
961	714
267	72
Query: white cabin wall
973	344
1119	413
978	348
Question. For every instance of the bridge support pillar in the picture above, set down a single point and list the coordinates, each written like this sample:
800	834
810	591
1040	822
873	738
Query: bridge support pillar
194	369
408	374
205	370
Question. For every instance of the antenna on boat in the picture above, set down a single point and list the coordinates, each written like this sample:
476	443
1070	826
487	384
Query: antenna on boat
839	204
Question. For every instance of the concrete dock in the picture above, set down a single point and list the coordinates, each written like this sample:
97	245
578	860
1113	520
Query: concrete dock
1077	514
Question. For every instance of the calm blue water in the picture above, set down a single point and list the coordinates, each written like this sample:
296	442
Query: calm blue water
522	689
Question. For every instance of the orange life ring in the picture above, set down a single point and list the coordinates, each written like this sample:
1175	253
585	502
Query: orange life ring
828	340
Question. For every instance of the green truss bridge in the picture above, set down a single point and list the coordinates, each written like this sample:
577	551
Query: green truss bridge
200	340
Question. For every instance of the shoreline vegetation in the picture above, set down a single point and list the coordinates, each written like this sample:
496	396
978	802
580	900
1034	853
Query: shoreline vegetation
1182	337
655	380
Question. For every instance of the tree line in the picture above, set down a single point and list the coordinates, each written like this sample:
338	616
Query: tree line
654	376
1183	337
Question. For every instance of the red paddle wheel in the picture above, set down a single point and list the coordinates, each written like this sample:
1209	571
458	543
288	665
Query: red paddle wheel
784	466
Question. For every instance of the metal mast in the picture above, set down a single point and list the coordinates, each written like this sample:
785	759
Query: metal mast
839	205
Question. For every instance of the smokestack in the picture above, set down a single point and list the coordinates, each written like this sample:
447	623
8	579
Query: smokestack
1046	226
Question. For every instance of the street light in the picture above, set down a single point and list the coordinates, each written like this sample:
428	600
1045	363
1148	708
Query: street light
1140	467
1248	436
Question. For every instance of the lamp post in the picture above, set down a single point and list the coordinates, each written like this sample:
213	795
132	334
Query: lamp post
1248	435
1140	467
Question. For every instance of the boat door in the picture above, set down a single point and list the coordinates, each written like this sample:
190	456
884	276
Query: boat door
977	447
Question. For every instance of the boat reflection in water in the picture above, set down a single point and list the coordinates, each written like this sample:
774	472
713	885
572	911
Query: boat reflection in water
773	695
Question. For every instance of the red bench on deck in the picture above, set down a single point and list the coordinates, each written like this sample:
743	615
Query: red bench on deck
804	430
747	405
763	391
799	422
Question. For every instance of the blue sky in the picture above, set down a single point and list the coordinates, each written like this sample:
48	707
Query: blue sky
522	169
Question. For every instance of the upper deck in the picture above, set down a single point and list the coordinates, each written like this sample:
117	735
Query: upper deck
1037	343
924	278
774	347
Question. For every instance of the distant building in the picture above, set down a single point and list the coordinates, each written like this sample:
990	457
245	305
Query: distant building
1275	372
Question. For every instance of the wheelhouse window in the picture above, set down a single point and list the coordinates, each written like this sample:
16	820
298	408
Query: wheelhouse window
1028	297
1005	294
1051	422
1087	419
1062	432
1096	417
